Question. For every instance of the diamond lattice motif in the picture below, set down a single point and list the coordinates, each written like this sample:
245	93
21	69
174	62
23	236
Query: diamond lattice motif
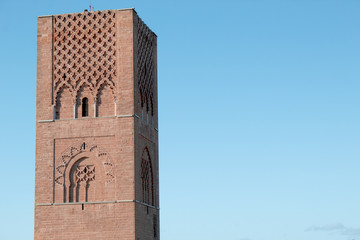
85	173
145	64
84	50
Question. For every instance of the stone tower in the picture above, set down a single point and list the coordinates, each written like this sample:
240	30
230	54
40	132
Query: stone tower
96	173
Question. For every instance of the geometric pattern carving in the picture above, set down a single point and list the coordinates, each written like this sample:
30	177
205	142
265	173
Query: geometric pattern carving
84	51
147	178
79	186
145	64
85	173
64	161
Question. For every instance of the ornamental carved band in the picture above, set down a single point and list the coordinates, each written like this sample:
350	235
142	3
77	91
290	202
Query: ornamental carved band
84	48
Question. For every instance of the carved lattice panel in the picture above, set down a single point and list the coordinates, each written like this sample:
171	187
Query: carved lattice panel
84	50
145	64
63	162
85	173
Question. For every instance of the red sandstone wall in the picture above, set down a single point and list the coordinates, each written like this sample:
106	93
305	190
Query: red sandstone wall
112	141
44	98
93	221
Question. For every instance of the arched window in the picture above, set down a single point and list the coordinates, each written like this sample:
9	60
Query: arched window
85	107
82	177
147	178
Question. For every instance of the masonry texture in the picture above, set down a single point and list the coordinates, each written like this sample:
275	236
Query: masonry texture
96	171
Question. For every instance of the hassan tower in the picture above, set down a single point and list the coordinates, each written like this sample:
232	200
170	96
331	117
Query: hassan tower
96	170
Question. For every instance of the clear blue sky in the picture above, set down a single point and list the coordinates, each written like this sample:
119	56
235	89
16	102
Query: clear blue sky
259	116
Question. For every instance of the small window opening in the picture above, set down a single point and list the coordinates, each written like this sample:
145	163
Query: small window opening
85	107
155	225
82	206
57	113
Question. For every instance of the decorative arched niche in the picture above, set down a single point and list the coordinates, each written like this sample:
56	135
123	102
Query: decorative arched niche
105	105
64	103
83	174
147	178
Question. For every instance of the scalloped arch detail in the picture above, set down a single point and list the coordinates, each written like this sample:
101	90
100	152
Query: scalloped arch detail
102	84
61	87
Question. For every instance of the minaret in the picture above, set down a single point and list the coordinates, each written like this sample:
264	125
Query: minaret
96	170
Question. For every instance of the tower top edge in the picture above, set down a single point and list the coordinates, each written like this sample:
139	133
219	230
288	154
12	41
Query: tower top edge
86	11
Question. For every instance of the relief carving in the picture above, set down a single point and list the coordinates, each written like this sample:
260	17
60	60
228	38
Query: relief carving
82	173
